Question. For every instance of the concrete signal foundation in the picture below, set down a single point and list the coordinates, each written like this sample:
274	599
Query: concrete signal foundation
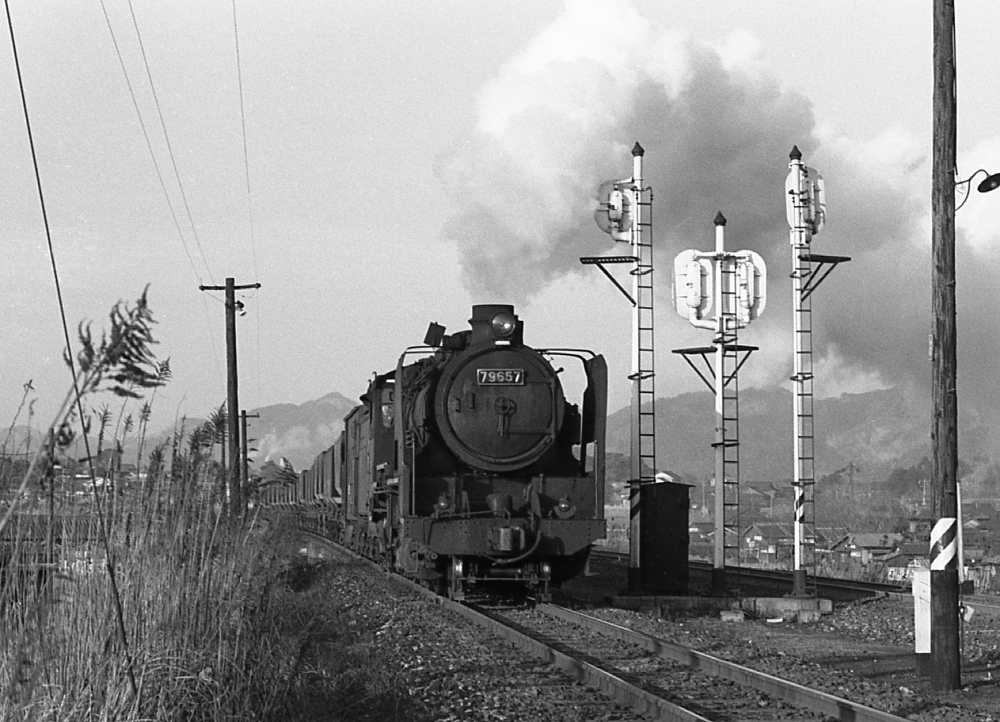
784	609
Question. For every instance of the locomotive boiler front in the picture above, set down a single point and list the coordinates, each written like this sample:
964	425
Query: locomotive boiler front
498	405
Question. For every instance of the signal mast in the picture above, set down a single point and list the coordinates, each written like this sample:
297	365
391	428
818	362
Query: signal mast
805	207
625	213
735	285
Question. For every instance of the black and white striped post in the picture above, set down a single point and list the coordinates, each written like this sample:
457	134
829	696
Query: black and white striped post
937	649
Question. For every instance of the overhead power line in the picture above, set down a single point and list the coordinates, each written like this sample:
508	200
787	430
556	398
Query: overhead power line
149	144
166	137
246	166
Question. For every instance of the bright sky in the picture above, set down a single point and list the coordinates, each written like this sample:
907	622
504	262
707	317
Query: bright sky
406	160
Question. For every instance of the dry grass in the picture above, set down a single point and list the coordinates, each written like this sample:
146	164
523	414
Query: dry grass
223	622
145	600
196	597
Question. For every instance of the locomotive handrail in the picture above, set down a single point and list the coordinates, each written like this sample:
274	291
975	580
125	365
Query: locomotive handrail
410	350
580	353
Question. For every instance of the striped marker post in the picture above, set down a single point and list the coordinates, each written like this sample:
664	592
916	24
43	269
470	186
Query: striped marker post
943	659
944	545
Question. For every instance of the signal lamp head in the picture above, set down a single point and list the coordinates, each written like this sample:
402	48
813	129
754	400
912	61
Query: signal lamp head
503	324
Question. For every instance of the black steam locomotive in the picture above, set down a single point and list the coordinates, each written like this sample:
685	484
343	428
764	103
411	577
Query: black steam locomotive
467	464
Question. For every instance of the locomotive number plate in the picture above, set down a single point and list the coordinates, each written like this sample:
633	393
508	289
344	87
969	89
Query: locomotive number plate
500	377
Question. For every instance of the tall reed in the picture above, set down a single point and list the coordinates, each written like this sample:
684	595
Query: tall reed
138	601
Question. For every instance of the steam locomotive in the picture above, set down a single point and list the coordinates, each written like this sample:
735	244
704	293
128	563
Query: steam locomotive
466	464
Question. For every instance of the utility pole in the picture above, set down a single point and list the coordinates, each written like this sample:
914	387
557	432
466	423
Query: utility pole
944	660
232	387
245	470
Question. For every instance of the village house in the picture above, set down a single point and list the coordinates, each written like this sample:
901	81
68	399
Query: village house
864	547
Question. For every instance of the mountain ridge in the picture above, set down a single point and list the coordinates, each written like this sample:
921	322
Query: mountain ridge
874	433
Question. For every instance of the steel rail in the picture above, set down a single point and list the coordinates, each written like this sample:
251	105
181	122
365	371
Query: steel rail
781	575
774	687
613	686
625	692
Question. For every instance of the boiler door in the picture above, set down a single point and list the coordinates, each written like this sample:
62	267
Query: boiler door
499	409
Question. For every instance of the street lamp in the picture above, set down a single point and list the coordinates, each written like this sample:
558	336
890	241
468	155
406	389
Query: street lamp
989	183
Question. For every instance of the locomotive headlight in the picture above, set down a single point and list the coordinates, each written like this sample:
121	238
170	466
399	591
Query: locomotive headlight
546	570
503	324
457	566
443	503
565	508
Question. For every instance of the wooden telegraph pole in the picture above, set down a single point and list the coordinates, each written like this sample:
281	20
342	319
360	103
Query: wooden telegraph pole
945	672
233	487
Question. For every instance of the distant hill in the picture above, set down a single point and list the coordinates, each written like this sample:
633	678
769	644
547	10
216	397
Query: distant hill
298	433
19	440
877	431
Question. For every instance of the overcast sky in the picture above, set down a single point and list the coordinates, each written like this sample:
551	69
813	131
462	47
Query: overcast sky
409	159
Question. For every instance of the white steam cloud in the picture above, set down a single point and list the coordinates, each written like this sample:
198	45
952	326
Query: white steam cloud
562	116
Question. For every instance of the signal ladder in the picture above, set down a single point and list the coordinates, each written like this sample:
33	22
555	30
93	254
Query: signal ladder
805	280
644	376
805	454
730	417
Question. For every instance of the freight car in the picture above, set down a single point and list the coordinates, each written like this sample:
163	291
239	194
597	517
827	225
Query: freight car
467	464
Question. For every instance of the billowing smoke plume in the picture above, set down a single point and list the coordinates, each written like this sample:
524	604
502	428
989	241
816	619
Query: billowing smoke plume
562	117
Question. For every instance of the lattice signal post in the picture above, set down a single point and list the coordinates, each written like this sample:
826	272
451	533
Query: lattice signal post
625	213
735	285
805	206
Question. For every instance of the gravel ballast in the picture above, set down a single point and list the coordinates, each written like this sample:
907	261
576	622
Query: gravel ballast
441	667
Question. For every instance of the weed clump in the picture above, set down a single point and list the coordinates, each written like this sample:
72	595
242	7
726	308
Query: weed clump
141	593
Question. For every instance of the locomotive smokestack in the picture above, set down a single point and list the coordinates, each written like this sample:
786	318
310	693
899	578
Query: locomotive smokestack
496	324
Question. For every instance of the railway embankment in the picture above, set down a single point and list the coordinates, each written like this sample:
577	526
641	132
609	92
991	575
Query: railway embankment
378	651
449	669
187	617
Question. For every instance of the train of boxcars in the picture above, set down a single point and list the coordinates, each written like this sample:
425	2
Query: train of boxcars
466	464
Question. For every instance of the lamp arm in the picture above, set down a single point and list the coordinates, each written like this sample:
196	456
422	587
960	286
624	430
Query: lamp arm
968	188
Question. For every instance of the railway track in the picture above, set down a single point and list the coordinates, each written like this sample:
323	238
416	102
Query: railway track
779	581
657	679
661	679
838	590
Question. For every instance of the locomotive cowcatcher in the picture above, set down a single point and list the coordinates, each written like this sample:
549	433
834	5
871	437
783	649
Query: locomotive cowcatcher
468	465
